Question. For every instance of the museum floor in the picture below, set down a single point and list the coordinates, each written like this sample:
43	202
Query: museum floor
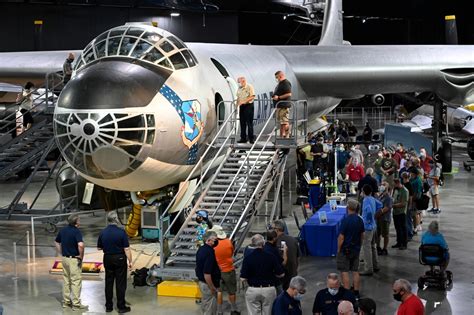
36	291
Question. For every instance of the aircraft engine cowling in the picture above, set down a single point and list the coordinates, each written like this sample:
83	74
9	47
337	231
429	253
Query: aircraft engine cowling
377	99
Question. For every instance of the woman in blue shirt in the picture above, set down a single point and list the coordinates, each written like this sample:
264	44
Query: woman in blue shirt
433	236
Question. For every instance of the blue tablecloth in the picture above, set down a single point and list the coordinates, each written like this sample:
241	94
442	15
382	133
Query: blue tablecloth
321	239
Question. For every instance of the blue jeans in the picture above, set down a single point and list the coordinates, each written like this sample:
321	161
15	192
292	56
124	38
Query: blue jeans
378	177
409	223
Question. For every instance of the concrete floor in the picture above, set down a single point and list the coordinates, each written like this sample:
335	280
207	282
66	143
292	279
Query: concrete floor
38	292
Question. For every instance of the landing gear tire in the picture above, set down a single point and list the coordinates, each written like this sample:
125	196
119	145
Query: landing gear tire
467	167
51	227
445	157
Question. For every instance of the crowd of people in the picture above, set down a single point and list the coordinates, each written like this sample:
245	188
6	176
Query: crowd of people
269	272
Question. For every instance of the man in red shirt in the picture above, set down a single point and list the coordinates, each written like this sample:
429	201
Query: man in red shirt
425	161
354	173
411	304
224	255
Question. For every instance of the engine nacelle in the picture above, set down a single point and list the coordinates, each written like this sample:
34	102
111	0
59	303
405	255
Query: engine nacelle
377	99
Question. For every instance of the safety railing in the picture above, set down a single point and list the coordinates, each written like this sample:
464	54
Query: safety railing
199	165
245	162
41	101
298	121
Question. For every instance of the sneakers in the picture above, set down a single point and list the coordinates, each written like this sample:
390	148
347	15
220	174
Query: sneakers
67	304
383	252
80	307
124	310
242	141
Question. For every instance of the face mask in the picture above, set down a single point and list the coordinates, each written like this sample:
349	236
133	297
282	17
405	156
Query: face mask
299	296
422	155
381	189
333	291
216	242
397	297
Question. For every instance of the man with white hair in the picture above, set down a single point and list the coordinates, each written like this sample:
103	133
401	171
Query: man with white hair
328	299
114	242
245	97
289	301
345	308
411	304
260	270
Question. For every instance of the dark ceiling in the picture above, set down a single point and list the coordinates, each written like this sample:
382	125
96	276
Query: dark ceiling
261	21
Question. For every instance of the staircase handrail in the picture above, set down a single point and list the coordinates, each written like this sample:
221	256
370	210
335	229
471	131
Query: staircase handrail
245	180
35	105
199	164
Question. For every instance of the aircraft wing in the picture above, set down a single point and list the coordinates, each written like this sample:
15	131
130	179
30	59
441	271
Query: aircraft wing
20	67
353	71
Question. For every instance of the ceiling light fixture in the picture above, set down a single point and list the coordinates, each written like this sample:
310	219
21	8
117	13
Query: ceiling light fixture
174	14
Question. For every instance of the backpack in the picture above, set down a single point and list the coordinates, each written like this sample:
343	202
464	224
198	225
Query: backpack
139	277
423	202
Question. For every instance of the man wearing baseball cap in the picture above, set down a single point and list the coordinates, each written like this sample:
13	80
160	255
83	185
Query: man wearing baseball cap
224	255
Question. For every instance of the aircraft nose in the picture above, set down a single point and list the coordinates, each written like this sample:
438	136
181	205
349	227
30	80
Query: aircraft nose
101	123
113	83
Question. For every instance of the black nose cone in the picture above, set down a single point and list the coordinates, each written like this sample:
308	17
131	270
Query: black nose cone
113	83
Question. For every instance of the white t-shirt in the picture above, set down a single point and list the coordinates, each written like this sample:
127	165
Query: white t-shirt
28	101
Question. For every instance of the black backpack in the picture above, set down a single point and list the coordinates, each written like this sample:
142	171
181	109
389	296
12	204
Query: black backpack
139	277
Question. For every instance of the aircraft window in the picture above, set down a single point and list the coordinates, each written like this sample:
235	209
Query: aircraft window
101	36
165	63
116	32
79	64
113	46
134	31
127	45
189	59
100	48
140	50
151	36
89	56
220	67
178	61
153	55
166	46
179	44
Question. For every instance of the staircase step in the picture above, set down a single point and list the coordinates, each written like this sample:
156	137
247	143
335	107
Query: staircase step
184	251
182	258
213	205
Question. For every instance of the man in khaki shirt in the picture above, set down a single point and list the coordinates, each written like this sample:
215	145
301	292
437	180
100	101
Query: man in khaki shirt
245	97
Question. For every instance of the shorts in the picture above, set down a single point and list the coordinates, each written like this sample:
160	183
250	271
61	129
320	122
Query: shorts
434	190
349	262
383	228
27	117
283	115
229	282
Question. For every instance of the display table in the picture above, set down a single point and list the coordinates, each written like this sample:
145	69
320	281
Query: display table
321	239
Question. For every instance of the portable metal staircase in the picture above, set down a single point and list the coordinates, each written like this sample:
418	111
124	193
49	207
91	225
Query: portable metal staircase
234	192
22	151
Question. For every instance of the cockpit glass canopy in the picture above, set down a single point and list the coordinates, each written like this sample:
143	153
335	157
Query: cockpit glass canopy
142	42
